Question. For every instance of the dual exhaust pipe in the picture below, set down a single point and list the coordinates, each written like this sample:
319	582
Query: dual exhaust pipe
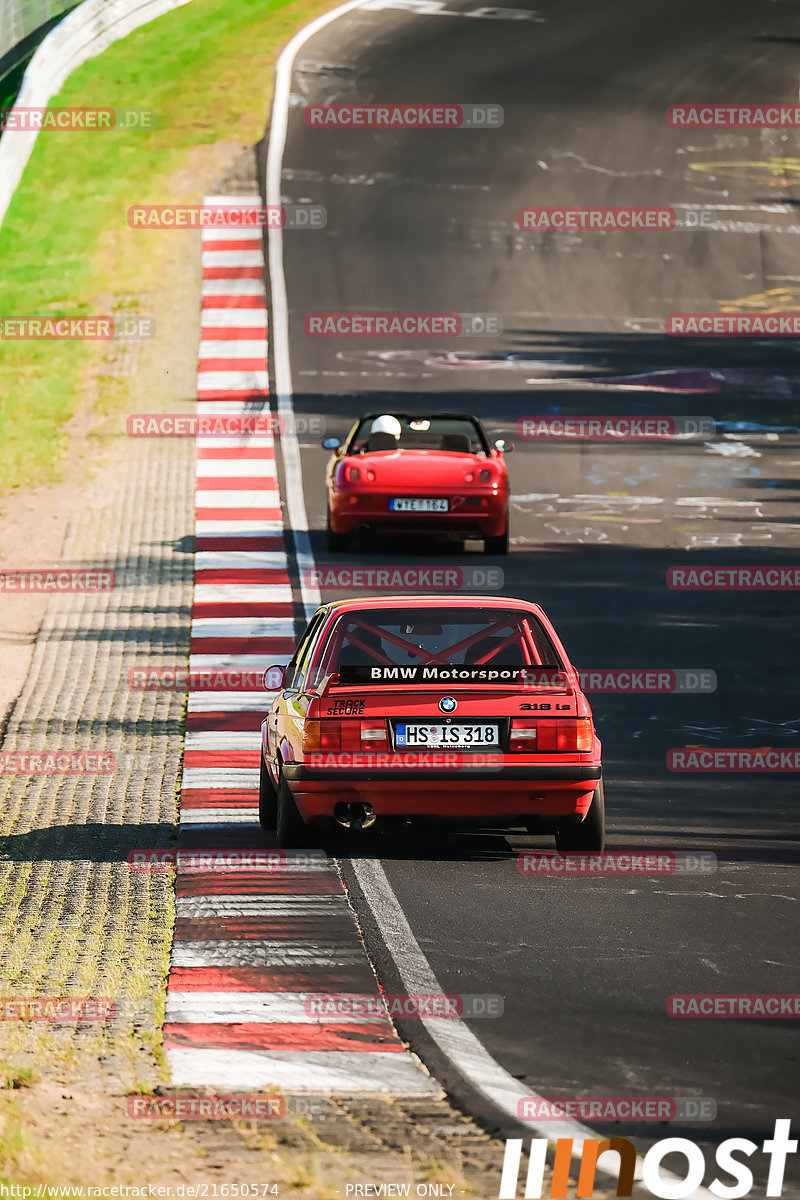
354	815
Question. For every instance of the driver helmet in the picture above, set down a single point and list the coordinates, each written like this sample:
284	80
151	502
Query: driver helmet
387	424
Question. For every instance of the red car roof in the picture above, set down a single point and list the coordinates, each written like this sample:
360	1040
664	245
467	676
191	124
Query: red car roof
427	601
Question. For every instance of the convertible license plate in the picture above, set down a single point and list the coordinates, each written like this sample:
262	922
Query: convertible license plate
418	504
464	736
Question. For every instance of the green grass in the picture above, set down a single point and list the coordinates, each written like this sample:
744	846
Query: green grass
65	245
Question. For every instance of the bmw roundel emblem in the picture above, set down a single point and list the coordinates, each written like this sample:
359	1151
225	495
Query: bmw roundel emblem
447	704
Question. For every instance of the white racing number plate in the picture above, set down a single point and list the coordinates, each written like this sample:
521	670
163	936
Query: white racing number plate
418	504
433	736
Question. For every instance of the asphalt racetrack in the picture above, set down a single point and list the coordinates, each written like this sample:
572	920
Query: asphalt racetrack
424	222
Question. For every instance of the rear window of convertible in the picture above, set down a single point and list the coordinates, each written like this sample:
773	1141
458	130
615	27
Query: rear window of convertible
452	636
454	434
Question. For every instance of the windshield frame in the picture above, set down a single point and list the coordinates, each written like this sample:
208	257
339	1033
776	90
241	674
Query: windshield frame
353	437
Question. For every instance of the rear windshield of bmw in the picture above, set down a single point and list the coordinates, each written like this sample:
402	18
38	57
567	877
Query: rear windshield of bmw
436	645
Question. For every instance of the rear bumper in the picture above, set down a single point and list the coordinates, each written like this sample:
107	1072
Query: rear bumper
546	773
465	519
512	792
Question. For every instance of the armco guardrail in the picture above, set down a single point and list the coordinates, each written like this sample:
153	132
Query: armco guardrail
86	32
20	18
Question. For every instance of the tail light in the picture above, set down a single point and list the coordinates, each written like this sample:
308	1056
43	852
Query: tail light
371	476
470	476
353	474
322	735
485	476
524	736
560	736
374	734
344	735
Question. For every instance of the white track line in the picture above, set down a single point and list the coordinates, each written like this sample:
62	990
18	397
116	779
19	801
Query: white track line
264	1008
456	1041
213	739
312	1071
232	233
224	408
234	318
239	593
236	527
234	468
232	258
262	953
297	518
245	662
233	287
223	348
208	560
219	701
221	778
262	442
243	627
242	904
219	818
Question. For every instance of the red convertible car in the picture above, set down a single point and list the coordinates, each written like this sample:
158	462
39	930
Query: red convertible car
418	475
430	708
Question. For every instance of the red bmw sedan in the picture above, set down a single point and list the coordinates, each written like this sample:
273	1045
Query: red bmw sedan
431	708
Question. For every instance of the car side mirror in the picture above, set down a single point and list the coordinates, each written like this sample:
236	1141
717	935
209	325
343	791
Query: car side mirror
503	446
331	443
274	678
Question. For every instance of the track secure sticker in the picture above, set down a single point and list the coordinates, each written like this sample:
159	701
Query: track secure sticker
345	708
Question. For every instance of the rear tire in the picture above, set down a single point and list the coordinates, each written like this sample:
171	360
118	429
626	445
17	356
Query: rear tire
337	542
496	545
291	827
267	799
591	833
